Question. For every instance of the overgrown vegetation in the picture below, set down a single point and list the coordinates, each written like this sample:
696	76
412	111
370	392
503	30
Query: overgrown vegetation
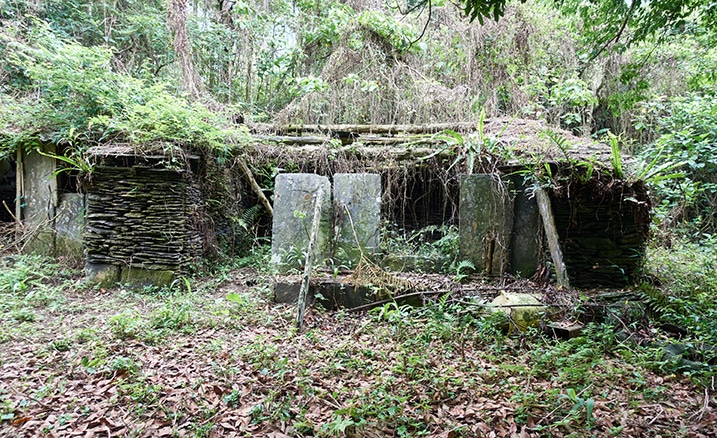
69	79
684	280
67	94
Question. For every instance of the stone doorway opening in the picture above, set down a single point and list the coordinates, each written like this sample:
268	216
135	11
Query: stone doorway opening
8	189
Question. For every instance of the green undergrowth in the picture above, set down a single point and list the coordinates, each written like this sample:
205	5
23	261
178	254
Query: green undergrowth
30	287
445	352
436	246
396	369
682	290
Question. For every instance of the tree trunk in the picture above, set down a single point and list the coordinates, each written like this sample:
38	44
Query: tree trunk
177	23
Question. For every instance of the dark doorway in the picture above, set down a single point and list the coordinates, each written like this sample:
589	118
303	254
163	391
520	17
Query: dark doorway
419	198
8	189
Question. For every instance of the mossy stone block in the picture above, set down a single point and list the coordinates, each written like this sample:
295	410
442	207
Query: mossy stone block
146	277
331	295
69	226
101	274
412	263
524	310
40	189
42	242
357	211
486	222
526	239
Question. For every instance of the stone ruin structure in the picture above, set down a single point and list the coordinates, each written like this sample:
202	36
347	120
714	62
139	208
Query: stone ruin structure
141	222
47	207
351	217
147	218
602	221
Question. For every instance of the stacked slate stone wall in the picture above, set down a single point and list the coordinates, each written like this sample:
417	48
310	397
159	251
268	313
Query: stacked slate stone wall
603	226
142	217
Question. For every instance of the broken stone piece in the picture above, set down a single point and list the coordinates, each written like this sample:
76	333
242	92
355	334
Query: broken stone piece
524	310
565	330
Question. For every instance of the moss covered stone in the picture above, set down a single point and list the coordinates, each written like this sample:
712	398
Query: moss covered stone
146	277
486	222
294	196
357	208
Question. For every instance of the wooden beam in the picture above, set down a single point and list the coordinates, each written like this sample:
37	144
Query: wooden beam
363	140
283	139
255	186
303	291
428	128
551	232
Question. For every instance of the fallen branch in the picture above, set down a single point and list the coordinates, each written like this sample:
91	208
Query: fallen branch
255	186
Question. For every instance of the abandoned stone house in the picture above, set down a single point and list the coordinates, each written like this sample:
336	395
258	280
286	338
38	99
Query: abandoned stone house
148	217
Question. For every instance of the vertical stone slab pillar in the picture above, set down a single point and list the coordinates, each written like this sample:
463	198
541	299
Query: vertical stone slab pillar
486	222
294	195
527	232
69	226
357	199
39	199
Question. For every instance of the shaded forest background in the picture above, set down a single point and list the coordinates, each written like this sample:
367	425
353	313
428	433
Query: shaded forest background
81	72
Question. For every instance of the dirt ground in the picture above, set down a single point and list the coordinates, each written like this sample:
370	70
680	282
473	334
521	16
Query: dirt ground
218	358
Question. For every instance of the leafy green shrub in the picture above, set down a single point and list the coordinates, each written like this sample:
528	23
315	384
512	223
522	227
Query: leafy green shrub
172	316
67	93
30	281
687	273
18	273
330	27
126	325
24	315
688	127
575	99
125	364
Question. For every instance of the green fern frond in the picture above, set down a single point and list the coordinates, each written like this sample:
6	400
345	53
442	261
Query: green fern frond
251	215
463	269
616	156
655	300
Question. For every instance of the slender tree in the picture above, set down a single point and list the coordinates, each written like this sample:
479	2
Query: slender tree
177	23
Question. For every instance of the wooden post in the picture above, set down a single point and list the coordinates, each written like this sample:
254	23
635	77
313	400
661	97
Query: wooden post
551	232
303	291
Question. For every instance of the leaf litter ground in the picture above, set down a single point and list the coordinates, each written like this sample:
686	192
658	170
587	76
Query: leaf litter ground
121	362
